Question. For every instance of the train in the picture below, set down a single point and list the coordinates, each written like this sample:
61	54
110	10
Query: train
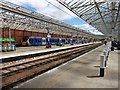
40	41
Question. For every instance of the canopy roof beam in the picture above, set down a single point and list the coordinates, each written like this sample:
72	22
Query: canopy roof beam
100	14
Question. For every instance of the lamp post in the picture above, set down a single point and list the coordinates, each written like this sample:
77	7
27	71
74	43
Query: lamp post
48	44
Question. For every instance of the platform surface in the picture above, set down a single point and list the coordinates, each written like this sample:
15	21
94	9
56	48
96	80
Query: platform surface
36	49
81	72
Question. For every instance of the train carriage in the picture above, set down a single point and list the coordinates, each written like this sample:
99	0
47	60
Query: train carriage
35	41
31	41
39	41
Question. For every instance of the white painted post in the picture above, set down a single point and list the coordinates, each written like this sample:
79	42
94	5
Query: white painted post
105	52
105	56
102	65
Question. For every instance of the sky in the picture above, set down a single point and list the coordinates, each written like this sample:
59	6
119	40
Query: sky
53	9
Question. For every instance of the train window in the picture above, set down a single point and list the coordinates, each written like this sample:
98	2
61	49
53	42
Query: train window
39	39
54	40
51	40
63	40
31	40
57	40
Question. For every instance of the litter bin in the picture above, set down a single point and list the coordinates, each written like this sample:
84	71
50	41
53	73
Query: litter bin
13	48
4	47
8	46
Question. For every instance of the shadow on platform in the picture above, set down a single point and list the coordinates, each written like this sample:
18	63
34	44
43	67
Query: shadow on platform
97	66
97	76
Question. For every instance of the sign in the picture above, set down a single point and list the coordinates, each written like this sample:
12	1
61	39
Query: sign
7	39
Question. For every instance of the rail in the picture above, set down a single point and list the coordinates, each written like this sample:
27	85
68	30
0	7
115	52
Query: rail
20	71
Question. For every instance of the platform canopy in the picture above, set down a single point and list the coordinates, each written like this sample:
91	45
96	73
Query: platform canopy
104	15
19	18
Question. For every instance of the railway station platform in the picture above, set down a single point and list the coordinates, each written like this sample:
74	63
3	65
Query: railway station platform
20	51
81	72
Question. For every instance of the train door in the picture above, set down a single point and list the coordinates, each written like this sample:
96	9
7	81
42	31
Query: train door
71	41
48	41
43	41
66	41
63	41
60	40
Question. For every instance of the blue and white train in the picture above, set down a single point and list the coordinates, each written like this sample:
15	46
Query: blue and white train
39	41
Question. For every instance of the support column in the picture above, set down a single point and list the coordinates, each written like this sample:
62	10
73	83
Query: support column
14	33
2	32
48	44
9	34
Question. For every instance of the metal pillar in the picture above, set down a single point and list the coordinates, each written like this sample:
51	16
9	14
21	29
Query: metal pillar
48	37
9	34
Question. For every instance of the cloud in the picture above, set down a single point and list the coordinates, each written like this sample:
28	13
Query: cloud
56	11
45	7
84	26
88	28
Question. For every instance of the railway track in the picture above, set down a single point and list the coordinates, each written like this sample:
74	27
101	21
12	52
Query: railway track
15	72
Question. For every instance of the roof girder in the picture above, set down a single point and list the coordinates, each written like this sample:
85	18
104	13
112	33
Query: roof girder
101	7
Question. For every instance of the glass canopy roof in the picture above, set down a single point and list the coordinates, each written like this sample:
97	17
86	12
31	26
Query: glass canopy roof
104	15
20	18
